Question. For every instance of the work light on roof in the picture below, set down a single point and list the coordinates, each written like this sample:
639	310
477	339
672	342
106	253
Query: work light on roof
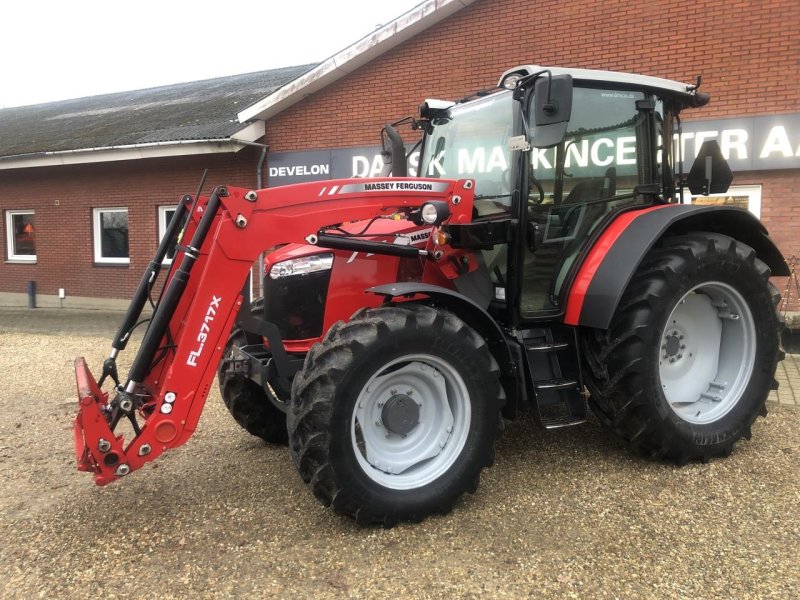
510	81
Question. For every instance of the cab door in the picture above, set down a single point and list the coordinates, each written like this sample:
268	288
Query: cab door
573	188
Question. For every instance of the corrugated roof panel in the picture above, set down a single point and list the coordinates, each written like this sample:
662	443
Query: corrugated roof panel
196	110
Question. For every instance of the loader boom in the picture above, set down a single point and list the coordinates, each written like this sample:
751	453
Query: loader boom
172	373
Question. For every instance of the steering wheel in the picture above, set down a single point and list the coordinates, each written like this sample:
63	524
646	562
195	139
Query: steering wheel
539	189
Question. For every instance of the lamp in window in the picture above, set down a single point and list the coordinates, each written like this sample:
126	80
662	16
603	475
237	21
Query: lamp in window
28	229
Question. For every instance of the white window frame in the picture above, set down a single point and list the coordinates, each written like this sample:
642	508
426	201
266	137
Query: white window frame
11	238
98	247
753	193
162	226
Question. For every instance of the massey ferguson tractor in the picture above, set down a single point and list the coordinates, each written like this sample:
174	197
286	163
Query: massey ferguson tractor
540	260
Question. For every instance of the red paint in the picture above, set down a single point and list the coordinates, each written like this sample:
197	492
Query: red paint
577	293
284	215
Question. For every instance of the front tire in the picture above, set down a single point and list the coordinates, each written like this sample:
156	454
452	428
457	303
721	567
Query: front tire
395	414
254	408
689	358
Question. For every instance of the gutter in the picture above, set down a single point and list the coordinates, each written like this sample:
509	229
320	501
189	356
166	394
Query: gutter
134	151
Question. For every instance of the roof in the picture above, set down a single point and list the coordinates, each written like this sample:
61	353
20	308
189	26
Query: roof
198	111
356	55
656	83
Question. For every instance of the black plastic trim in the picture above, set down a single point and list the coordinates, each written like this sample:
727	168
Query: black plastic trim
623	258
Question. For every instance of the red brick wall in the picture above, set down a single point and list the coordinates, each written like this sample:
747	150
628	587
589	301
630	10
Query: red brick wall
780	213
64	231
747	53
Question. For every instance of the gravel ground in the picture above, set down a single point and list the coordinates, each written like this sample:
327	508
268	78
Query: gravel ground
561	514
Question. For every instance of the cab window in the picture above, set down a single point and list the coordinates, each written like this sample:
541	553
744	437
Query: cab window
472	141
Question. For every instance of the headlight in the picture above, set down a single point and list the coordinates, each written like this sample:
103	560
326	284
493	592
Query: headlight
431	213
302	266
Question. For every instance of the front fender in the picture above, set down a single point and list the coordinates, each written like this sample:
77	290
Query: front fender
617	253
473	315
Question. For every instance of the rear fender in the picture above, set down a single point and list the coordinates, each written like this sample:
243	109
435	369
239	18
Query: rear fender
617	253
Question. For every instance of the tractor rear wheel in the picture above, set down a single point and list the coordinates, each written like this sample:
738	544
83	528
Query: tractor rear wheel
253	407
395	414
689	358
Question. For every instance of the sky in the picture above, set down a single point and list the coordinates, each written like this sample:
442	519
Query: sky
55	50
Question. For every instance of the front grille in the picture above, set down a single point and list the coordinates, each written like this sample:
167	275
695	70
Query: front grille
296	304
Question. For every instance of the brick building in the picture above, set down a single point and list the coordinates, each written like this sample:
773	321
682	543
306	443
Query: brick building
70	171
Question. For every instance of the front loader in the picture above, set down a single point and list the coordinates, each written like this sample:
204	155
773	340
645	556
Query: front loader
541	258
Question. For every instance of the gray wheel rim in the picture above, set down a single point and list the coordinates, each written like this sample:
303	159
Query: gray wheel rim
707	353
429	448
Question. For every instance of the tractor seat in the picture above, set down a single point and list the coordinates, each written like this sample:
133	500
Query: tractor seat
596	188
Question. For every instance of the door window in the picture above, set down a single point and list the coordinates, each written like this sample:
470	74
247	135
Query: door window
608	150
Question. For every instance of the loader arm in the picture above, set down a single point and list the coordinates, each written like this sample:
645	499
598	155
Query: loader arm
171	375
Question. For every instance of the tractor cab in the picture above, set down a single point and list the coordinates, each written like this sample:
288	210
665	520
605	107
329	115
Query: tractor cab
556	154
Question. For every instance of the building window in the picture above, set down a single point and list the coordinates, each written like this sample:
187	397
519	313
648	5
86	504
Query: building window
165	214
744	196
111	236
21	235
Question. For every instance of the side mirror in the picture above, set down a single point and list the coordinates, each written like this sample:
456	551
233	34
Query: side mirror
551	109
710	172
394	159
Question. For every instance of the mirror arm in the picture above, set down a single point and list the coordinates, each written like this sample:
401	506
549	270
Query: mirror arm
519	90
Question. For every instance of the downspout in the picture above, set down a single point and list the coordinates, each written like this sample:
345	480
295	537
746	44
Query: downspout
262	158
259	185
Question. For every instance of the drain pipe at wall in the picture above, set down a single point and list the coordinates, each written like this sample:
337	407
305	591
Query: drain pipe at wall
259	185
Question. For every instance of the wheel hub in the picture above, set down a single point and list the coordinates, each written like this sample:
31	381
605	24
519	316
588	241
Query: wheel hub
410	421
673	345
707	352
400	414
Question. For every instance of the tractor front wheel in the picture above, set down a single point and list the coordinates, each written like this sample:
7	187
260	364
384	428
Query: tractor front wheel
395	414
254	408
689	358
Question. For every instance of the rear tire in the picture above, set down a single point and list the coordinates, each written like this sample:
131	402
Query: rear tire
689	358
395	414
249	403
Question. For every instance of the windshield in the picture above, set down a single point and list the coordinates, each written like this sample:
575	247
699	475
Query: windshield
472	141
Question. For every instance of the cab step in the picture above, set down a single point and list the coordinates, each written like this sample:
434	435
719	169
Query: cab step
554	367
556	384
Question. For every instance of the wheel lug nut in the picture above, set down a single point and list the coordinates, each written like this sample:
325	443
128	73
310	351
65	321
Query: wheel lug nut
380	404
680	337
393	392
378	423
672	360
409	392
683	346
680	355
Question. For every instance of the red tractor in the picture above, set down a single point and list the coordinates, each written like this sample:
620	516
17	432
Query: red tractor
542	251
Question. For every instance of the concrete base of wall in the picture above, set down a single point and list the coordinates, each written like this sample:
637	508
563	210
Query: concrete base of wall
793	320
114	304
46	301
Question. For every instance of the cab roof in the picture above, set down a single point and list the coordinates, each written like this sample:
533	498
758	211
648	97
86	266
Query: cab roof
674	88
